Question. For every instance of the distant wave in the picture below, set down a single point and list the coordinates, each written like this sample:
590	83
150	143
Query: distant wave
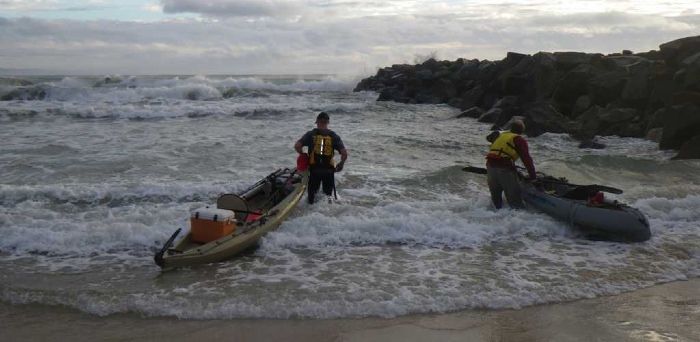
135	88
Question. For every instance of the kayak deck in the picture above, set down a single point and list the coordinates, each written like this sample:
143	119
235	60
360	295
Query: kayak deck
262	208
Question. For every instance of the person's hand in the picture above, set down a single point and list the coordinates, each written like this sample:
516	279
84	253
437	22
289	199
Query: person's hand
339	167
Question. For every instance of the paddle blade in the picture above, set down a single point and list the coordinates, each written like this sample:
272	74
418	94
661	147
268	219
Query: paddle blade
474	169
609	189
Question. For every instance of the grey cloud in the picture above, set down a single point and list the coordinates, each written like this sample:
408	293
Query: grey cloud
233	8
237	45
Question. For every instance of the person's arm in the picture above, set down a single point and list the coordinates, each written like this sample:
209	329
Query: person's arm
302	142
343	156
343	153
524	152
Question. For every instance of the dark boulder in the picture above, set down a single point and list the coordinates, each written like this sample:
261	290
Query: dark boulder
509	107
680	124
689	76
569	60
512	59
392	94
443	90
614	62
442	73
690	149
572	86
506	126
542	117
606	87
609	121
637	86
581	105
651	55
655	134
487	72
662	92
676	51
656	119
431	64
468	71
491	115
425	96
518	78
425	74
591	144
473	112
472	97
545	74
683	97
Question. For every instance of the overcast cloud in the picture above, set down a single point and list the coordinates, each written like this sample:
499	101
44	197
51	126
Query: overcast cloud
330	36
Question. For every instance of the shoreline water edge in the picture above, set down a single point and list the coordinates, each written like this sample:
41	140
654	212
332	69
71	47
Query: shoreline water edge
667	312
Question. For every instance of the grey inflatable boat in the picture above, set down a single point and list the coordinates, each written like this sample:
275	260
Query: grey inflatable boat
583	207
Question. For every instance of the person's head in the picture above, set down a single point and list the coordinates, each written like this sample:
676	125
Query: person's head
322	120
517	126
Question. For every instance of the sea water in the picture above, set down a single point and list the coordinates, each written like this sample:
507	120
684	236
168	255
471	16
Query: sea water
97	172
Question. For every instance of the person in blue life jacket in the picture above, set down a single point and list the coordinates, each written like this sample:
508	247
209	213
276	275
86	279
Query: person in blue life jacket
506	148
321	144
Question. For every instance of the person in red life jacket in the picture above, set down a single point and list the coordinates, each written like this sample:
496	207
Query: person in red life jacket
506	148
321	144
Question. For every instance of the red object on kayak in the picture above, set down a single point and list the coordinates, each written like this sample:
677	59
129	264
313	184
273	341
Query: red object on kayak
302	162
596	199
252	217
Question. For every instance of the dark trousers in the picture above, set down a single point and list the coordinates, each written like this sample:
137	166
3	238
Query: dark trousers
318	177
504	180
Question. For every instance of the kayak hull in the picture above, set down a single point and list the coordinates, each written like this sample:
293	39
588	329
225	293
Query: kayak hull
189	253
616	222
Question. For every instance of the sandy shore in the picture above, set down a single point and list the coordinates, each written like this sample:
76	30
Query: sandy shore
669	312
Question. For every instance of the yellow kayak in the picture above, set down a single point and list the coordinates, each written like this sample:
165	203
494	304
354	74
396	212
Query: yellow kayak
258	210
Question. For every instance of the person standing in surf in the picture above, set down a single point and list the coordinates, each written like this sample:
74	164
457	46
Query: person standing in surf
321	144
506	148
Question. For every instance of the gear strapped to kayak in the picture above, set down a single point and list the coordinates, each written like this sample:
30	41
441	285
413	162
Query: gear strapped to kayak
237	222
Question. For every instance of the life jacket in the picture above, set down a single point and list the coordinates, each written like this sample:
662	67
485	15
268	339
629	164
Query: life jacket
504	147
322	150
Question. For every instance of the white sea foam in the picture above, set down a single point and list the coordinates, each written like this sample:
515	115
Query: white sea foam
86	198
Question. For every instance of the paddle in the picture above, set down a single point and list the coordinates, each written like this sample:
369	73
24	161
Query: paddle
159	256
474	169
591	187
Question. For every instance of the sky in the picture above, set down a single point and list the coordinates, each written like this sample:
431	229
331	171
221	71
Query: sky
344	37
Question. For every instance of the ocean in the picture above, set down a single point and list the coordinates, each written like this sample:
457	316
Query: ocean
96	172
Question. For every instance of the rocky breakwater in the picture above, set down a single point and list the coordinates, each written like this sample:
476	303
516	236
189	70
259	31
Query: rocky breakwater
654	95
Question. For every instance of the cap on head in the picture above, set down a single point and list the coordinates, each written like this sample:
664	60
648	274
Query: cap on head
322	116
517	126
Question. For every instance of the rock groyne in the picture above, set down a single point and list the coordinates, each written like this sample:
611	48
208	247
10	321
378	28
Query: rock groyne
654	95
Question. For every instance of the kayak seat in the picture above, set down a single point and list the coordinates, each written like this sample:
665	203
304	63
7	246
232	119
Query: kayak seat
236	203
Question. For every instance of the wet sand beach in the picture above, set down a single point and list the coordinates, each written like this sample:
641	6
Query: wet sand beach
668	312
